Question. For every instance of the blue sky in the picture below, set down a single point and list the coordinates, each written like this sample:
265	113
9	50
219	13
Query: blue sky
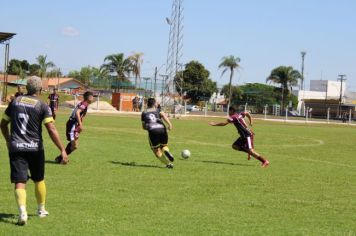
264	34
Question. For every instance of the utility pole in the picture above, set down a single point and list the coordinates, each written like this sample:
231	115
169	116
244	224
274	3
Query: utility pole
326	97
164	79
341	79
155	82
302	82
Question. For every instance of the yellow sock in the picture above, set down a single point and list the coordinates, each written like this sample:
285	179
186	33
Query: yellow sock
20	195
40	191
165	149
163	159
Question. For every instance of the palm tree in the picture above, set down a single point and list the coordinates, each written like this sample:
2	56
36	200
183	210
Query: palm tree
229	63
44	65
136	62
116	63
286	76
102	74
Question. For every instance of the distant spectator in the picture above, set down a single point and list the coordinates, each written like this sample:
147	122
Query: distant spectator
344	117
135	104
140	103
159	109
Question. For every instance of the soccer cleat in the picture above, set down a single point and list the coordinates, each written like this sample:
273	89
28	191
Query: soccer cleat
265	164
42	213
169	166
22	219
58	159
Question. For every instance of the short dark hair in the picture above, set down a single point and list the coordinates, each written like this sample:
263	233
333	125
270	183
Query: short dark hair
151	102
87	94
231	108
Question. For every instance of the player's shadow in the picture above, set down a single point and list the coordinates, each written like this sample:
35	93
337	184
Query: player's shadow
51	162
134	164
8	218
223	163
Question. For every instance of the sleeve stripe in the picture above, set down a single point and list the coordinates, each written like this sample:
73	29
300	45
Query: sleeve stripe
48	120
6	117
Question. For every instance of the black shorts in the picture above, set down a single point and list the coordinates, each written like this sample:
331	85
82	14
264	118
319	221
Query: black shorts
72	131
158	138
22	162
53	108
244	144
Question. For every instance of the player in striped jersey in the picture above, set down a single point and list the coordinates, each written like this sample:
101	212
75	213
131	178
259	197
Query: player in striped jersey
75	124
245	142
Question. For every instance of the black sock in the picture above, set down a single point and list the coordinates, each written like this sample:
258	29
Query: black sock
69	149
169	155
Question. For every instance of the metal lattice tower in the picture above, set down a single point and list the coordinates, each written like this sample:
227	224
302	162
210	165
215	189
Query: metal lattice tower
175	48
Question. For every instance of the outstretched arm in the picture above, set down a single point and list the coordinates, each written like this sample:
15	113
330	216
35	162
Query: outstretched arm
53	133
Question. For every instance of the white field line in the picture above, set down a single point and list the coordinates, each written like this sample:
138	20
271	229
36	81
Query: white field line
317	142
324	162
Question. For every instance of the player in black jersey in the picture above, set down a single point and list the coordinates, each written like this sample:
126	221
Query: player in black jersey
152	121
24	141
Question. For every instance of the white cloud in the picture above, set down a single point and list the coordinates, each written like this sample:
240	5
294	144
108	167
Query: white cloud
70	31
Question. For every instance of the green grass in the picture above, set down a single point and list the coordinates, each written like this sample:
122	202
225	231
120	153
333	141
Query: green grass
113	184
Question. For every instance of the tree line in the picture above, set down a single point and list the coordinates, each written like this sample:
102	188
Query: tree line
193	82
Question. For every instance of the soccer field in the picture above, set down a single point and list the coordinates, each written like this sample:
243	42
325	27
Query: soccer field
114	185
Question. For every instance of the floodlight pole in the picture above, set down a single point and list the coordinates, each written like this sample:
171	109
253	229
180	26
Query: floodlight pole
303	56
341	79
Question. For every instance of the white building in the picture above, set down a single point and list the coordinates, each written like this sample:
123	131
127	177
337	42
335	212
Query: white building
320	89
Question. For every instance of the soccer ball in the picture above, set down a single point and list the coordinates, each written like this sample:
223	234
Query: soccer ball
185	154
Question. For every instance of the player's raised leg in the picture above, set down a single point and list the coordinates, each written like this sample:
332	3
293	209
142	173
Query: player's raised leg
166	152
259	157
158	153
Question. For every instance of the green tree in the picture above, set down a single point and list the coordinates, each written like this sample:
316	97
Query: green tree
84	75
135	64
34	69
229	63
196	82
101	77
54	73
17	67
287	77
44	65
116	63
74	74
236	93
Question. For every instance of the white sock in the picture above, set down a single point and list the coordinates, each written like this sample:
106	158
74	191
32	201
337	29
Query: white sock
22	209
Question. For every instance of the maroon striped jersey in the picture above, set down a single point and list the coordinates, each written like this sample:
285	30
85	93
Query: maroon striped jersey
238	120
83	106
